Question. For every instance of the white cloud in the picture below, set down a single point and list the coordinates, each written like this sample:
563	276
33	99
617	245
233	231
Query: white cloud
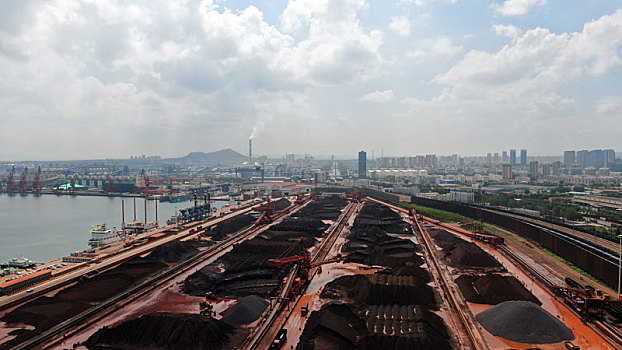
427	2
517	7
441	46
610	105
379	96
400	25
509	31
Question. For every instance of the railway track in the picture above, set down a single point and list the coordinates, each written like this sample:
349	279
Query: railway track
57	333
598	243
473	339
270	323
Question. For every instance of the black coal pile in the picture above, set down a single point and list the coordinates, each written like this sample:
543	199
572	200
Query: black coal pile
289	236
301	224
493	289
381	289
172	252
328	208
338	326
376	215
373	246
524	322
229	226
281	204
241	272
246	310
462	254
333	327
163	330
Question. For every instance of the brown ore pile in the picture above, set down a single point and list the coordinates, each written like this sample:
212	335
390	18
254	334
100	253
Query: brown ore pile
524	322
493	289
462	254
46	312
386	310
163	330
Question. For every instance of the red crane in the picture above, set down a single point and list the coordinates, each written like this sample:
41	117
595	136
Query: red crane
356	196
299	255
146	190
266	216
23	181
110	188
300	198
74	179
10	184
37	185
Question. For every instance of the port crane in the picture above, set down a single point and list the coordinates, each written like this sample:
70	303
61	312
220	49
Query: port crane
298	254
110	189
126	242
355	197
267	213
37	185
10	184
23	181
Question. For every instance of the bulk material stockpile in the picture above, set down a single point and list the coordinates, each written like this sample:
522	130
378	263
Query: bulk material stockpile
524	322
163	330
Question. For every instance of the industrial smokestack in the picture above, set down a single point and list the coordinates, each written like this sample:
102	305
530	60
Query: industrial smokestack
250	150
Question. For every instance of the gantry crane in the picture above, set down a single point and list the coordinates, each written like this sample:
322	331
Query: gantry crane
356	196
266	215
37	184
23	181
110	189
299	255
10	184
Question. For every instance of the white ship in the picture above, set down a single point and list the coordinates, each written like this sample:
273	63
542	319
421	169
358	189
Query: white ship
101	235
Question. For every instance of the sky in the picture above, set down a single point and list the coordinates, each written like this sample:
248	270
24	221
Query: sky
112	79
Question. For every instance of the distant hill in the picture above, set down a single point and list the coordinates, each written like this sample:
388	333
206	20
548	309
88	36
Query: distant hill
224	156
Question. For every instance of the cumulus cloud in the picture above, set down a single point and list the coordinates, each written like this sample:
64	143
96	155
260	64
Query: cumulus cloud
517	7
379	96
610	105
509	31
441	46
400	25
158	70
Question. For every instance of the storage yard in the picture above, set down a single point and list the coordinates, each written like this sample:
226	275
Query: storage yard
322	273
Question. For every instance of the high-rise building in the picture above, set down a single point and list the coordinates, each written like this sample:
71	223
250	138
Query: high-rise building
362	165
489	158
580	159
569	158
507	171
504	157
523	157
534	169
495	158
610	157
594	158
547	169
512	157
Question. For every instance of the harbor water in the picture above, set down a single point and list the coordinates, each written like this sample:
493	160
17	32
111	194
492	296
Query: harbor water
47	227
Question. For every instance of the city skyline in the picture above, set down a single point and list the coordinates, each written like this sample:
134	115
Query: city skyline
103	80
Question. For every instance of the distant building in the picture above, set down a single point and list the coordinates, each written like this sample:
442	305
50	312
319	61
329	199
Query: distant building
513	157
580	159
533	169
462	197
504	157
610	157
362	165
495	158
489	158
569	158
507	171
523	157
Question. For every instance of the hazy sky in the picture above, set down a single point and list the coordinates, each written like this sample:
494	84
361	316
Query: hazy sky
118	78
